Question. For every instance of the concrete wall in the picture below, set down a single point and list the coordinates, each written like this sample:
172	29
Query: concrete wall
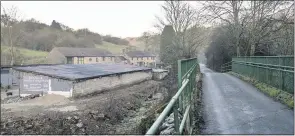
55	86
159	74
23	90
110	82
61	87
6	77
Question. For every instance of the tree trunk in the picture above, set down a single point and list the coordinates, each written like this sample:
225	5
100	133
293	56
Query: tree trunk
238	51
11	47
252	50
237	26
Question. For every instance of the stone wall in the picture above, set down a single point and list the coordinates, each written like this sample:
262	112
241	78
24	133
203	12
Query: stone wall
109	82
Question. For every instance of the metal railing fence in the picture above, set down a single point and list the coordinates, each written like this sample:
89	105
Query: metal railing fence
182	101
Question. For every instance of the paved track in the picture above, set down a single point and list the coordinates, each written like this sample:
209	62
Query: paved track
232	106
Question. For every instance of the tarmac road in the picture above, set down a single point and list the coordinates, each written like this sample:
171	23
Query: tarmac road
232	106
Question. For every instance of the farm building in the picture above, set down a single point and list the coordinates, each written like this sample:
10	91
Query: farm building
69	55
140	58
75	80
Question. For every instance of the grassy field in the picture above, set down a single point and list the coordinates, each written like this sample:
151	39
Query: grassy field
26	52
35	57
113	48
29	56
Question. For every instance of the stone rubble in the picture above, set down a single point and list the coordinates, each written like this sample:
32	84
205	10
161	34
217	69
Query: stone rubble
14	99
167	127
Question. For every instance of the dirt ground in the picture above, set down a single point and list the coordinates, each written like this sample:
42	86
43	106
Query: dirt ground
14	91
111	112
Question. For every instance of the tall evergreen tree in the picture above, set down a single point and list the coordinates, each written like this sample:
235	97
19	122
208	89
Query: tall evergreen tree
55	25
168	49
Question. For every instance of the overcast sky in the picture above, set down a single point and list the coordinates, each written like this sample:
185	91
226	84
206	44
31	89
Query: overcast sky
118	18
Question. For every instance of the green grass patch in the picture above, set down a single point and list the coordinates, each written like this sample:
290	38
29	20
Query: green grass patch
277	94
27	56
26	52
113	48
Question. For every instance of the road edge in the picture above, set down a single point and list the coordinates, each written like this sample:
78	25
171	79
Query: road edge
277	94
198	104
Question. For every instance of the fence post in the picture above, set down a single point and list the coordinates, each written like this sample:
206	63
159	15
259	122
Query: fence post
179	80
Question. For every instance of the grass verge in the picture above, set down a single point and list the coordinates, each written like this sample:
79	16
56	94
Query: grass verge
277	94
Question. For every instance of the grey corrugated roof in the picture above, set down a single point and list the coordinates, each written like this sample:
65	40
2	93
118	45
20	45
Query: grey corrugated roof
140	54
85	52
81	71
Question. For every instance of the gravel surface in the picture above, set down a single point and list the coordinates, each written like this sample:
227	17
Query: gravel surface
97	114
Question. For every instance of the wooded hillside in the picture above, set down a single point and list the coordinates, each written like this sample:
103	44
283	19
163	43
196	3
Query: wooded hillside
34	35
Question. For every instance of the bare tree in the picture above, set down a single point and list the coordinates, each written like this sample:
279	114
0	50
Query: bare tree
251	21
185	21
265	19
10	29
228	12
146	37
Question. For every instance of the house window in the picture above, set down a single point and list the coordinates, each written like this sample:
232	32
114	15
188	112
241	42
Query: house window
111	58
132	58
80	60
137	58
148	58
141	58
103	58
90	59
96	59
69	60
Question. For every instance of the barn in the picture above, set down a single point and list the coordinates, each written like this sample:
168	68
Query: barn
73	80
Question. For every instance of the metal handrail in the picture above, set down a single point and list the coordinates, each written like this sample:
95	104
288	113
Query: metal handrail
191	69
226	65
166	111
265	67
184	119
278	73
181	102
279	66
283	56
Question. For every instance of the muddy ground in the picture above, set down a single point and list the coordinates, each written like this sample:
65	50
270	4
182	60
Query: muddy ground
118	111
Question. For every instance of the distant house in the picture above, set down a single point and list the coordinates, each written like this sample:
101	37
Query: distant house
68	55
140	58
